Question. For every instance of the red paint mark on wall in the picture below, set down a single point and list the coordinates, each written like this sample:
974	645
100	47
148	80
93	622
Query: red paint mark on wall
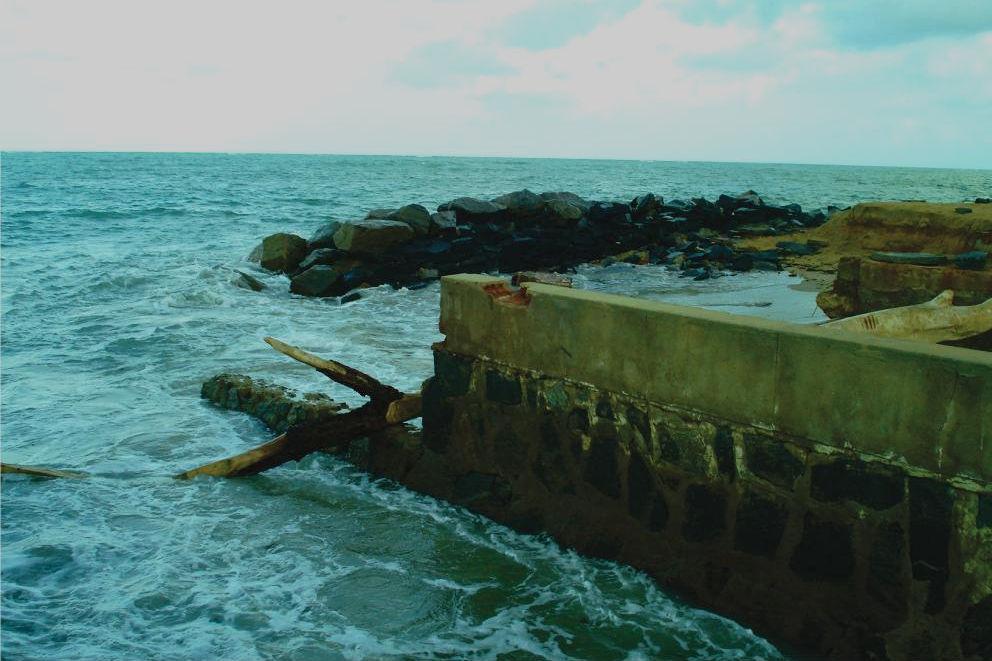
501	293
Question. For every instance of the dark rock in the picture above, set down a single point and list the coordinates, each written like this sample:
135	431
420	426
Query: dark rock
742	262
324	236
568	198
249	282
878	487
437	416
760	524
502	389
750	198
764	265
917	258
278	407
973	260
764	255
616	213
521	205
474	487
601	469
350	298
793	248
319	280
983	200
723	450
604	410
976	630
930	505
371	237
357	276
962	210
720	253
282	252
659	513
640	486
983	517
707	214
321	256
472	211
886	565
414	215
770	459
561	214
705	509
379	214
444	223
452	374
825	551
646	206
638	419
578	420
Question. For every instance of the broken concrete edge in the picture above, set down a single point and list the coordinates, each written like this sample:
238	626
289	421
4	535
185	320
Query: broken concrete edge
928	407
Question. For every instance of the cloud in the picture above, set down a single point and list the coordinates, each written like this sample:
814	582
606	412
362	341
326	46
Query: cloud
661	79
857	24
446	63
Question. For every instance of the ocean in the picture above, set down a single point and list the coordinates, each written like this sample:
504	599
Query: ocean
119	297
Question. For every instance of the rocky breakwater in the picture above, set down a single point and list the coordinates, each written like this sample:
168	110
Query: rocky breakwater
523	230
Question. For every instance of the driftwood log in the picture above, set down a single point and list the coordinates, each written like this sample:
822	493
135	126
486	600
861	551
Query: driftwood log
387	406
37	471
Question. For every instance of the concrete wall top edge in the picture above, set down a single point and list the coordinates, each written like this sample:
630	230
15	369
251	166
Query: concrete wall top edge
929	405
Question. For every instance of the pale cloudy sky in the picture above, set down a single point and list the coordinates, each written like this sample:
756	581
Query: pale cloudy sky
897	82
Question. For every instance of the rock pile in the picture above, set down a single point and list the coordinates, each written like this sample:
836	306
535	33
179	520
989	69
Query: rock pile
523	230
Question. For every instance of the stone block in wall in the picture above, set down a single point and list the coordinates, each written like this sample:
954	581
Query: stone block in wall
873	485
760	523
825	551
772	460
930	509
704	513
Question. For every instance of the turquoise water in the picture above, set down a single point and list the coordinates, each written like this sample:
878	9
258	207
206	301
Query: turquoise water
119	299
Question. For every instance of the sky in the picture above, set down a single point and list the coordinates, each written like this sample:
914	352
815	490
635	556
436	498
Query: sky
870	82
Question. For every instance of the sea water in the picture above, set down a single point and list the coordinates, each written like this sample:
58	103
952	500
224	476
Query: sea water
120	296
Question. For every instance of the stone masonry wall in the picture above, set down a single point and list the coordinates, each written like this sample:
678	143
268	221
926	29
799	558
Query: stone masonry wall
837	553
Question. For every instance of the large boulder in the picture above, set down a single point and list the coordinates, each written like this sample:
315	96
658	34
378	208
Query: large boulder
609	212
646	206
380	214
372	237
444	223
521	204
321	256
473	211
321	280
282	252
324	236
414	215
569	198
562	213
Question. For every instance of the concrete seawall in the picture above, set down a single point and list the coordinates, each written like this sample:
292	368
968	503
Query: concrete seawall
832	491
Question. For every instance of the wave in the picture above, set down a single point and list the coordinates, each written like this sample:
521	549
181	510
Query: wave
99	214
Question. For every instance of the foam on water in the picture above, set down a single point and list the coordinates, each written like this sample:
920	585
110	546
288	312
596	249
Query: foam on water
119	298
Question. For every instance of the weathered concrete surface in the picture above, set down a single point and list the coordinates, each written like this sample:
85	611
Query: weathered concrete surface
827	489
928	406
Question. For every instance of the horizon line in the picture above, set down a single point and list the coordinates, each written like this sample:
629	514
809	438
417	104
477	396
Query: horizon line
480	156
